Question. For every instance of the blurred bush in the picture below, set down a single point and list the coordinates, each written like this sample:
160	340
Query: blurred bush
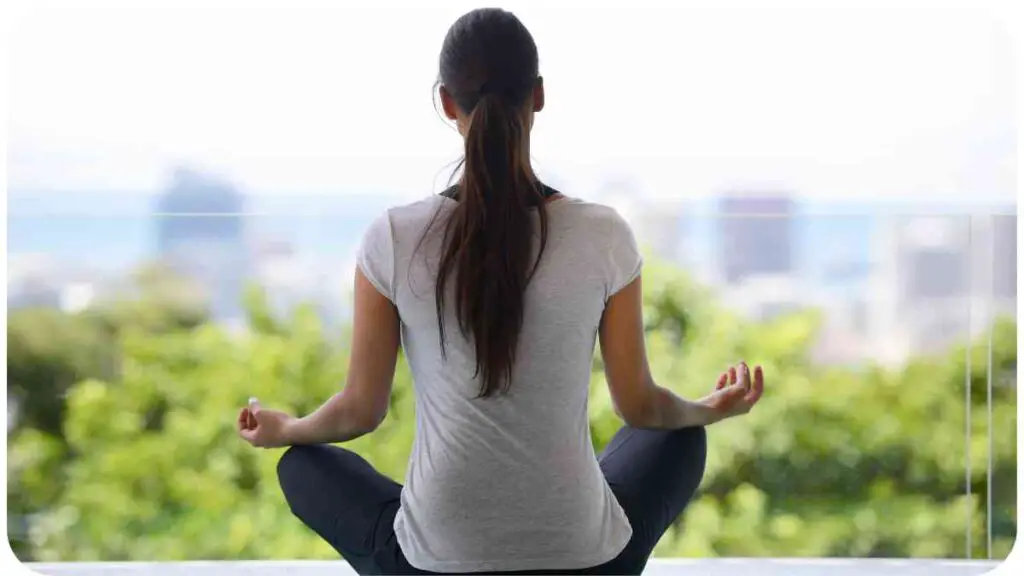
125	447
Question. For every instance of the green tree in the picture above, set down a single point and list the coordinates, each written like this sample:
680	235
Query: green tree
48	352
836	462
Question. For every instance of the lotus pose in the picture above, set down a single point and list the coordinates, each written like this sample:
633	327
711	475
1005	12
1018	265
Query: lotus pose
497	290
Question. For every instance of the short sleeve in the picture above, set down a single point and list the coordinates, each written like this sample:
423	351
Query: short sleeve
624	259
376	256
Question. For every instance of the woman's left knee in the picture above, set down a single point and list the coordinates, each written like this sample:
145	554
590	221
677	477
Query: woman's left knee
692	442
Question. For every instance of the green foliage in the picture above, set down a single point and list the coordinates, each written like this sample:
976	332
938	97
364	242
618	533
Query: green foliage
144	462
48	352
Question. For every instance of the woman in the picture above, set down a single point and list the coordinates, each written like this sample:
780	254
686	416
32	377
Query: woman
497	290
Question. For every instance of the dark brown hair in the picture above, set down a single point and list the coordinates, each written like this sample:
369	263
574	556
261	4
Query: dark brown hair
489	67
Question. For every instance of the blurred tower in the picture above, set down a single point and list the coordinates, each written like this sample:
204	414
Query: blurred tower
938	275
756	235
200	232
756	238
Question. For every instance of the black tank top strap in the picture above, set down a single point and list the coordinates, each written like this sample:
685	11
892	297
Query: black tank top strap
545	191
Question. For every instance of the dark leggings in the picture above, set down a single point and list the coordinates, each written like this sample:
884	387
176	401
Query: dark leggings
653	474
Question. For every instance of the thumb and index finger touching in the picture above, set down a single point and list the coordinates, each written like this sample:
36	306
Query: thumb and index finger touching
248	419
254	410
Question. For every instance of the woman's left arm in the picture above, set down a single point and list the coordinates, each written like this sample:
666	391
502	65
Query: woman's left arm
361	406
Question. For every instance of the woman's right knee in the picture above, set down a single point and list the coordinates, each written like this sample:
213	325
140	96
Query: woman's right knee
291	459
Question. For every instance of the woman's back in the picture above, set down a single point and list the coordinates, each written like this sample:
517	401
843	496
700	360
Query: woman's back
513	477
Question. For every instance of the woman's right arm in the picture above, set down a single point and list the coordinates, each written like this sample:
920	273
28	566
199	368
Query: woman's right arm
637	398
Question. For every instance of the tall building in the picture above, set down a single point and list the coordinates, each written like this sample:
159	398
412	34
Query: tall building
936	276
942	278
1004	257
200	232
756	235
935	256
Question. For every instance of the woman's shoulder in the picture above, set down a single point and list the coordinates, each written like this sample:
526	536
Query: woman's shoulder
409	213
427	205
595	213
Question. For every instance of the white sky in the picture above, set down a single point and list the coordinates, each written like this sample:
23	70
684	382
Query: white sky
827	103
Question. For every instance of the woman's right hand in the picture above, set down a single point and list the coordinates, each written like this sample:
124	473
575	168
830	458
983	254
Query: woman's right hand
736	392
264	428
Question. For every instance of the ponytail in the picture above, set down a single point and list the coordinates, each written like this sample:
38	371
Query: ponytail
489	240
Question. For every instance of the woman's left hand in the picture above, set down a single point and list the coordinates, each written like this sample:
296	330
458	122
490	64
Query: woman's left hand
736	392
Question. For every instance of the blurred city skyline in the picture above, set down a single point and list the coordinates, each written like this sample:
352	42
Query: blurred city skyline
891	283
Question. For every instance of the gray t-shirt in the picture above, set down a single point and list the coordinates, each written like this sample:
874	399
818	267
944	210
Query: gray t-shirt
512	482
